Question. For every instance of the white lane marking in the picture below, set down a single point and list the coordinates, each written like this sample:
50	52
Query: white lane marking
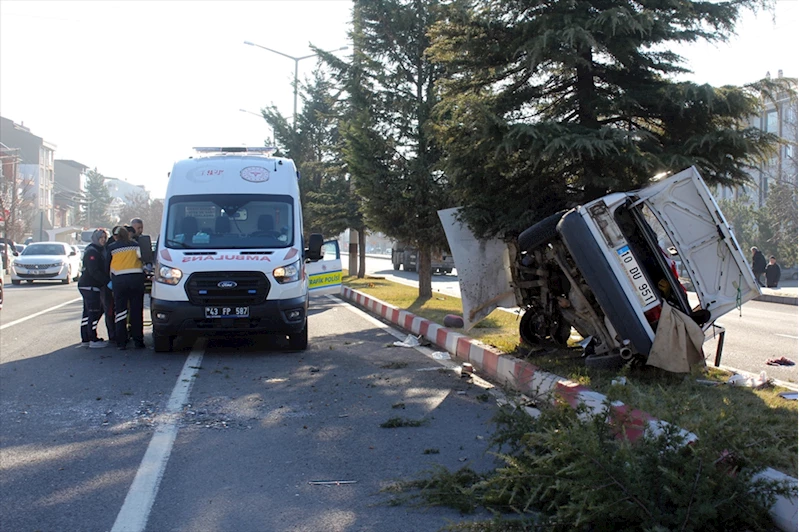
139	501
26	318
786	336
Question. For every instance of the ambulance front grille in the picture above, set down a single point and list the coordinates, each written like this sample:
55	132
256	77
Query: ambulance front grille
227	288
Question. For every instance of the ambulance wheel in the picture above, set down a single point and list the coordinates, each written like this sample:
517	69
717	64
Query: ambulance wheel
162	343
299	341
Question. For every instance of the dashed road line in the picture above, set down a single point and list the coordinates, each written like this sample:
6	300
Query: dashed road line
139	501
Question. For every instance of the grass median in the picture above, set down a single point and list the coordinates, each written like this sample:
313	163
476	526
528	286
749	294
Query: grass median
758	426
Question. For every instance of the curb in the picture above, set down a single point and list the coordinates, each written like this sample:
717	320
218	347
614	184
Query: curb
785	300
528	379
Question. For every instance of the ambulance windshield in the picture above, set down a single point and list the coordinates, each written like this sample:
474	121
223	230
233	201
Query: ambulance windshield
230	221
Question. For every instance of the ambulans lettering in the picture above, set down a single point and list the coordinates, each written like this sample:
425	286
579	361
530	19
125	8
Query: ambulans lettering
227	257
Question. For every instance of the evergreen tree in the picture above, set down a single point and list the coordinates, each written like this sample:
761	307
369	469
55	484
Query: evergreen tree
389	148
329	205
98	198
550	104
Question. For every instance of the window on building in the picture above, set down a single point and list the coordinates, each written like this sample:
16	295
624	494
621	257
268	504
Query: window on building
772	123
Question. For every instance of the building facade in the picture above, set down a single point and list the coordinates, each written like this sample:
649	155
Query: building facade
35	173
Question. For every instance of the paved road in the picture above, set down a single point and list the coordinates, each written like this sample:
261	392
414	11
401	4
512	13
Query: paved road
760	332
223	437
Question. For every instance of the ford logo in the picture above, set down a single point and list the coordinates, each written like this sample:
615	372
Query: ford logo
227	284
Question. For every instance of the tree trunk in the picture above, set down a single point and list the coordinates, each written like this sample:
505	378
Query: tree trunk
362	255
423	259
353	266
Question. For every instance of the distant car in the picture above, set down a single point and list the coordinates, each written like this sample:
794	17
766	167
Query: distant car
43	261
789	273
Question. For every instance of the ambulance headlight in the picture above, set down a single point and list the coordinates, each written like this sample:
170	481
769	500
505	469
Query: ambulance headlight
287	274
168	275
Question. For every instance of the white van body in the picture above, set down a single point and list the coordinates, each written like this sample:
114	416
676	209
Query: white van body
231	256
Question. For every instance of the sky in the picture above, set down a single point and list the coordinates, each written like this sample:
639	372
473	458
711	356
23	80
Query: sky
128	88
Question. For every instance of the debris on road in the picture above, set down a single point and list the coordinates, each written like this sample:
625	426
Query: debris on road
441	355
410	341
782	361
331	482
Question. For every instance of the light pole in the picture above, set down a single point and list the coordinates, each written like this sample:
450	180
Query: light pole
296	71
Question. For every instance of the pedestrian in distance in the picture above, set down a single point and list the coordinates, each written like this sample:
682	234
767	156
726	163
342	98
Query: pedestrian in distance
758	264
127	284
93	280
772	273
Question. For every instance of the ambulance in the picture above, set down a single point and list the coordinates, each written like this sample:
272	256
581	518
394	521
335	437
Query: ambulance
231	257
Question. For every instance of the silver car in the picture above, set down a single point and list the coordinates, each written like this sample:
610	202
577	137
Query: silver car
43	261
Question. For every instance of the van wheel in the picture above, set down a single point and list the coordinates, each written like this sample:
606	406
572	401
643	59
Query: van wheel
541	233
299	341
529	327
162	343
69	277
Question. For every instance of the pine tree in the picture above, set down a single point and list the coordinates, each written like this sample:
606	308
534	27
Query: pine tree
551	104
389	147
98	198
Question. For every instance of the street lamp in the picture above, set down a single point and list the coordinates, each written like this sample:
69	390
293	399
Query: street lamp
296	71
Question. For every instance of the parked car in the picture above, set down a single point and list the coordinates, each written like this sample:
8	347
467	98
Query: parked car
43	261
608	268
789	273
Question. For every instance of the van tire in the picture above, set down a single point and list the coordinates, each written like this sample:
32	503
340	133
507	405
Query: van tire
299	341
162	343
540	233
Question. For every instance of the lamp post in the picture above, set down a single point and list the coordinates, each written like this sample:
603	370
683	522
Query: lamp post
296	71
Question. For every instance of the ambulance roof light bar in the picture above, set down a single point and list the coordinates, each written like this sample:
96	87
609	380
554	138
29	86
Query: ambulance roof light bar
266	150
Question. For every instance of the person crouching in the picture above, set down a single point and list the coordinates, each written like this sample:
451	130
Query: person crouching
92	281
127	284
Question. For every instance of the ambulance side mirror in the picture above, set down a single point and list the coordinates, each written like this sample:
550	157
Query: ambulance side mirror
314	251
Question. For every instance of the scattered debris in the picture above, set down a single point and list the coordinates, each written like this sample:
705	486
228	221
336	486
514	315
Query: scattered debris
782	361
791	396
749	382
620	381
331	482
441	355
410	341
708	382
467	369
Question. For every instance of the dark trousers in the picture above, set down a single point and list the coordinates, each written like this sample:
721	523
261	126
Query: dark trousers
107	297
92	310
129	294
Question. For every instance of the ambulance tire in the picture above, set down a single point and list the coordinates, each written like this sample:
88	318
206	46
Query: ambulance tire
162	343
299	341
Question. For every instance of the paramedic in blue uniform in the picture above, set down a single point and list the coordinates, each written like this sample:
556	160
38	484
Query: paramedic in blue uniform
127	283
93	280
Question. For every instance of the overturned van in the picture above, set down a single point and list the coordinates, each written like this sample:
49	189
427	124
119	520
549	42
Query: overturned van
231	257
606	269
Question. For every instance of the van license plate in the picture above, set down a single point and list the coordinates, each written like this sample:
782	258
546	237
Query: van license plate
645	292
227	312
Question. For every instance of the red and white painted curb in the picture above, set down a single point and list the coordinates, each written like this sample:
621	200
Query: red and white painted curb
530	380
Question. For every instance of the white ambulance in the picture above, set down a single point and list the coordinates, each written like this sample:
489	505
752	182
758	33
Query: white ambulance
231	258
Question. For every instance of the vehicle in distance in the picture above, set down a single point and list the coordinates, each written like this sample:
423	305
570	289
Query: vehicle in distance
607	269
405	256
46	261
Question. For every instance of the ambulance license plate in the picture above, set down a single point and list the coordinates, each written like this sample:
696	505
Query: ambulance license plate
227	312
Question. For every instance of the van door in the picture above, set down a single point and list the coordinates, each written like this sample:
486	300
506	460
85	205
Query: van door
706	245
324	276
